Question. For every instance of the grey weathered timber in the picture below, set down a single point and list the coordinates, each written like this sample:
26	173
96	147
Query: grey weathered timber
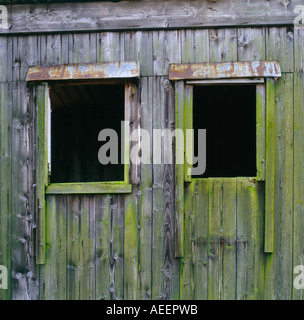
84	71
123	246
132	15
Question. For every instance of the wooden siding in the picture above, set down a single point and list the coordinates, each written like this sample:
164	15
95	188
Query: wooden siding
148	14
116	246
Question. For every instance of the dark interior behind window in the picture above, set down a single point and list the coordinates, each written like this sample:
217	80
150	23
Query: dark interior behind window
228	112
79	113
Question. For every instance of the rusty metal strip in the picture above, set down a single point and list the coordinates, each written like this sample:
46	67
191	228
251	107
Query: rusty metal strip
220	70
110	70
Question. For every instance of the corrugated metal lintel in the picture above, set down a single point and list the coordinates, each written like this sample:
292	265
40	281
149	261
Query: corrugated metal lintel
252	69
82	71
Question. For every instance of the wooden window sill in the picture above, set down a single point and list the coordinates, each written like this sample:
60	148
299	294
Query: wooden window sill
88	188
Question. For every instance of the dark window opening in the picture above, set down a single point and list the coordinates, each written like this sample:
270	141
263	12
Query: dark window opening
79	113
228	113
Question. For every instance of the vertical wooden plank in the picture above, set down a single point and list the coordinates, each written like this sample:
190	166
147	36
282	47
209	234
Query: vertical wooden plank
279	265
223	45
188	262
24	272
298	236
270	165
215	263
165	268
200	239
145	196
138	46
298	49
166	50
103	238
108	47
261	131
42	168
251	44
279	46
146	53
54	49
73	247
55	269
86	247
5	182
131	232
116	247
228	238
195	46
25	53
6	63
79	48
188	124
249	224
179	171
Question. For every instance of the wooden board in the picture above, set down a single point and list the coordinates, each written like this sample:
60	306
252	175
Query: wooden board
132	15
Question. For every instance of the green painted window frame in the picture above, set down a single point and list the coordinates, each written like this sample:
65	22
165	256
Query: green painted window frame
44	131
184	120
265	125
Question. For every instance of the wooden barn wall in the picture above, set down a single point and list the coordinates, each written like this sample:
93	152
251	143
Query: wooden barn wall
122	246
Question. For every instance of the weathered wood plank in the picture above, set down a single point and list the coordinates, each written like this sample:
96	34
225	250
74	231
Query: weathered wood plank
298	235
200	241
26	53
132	204
109	47
145	196
103	238
222	45
187	262
166	49
249	226
165	268
283	220
73	247
6	63
215	262
298	49
223	70
24	270
251	44
138	46
132	15
42	168
116	248
228	238
5	182
87	248
270	165
279	46
261	131
179	171
87	188
55	269
195	46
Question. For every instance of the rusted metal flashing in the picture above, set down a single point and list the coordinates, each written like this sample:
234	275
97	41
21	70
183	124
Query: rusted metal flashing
110	70
252	69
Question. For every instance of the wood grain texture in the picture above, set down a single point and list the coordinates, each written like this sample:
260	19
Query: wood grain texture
138	15
298	253
165	268
5	182
283	195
